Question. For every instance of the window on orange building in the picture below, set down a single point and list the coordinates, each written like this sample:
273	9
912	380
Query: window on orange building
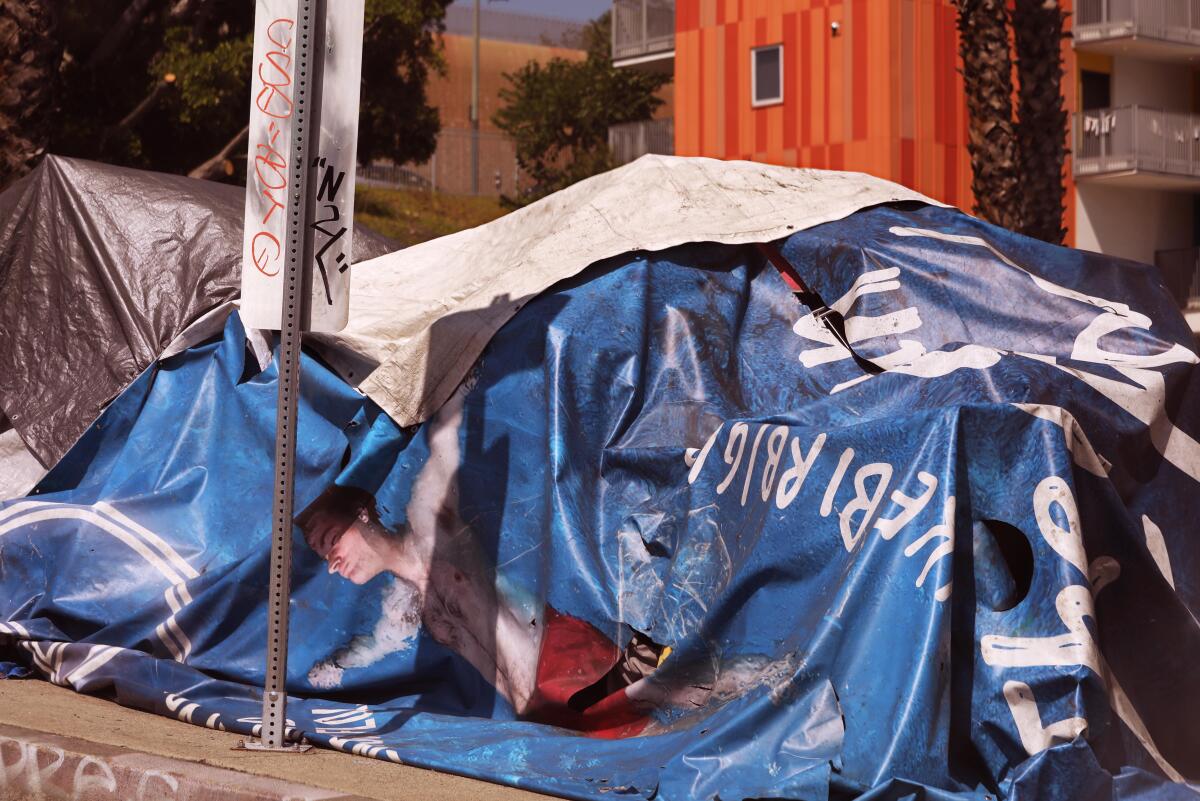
766	75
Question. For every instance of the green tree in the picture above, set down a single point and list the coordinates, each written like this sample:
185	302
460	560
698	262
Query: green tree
559	112
165	84
401	44
29	57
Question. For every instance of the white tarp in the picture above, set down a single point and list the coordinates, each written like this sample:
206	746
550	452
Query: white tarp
420	317
19	470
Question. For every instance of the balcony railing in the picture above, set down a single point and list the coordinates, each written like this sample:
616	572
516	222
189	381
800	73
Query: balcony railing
1133	138
630	140
1169	20
642	28
1181	273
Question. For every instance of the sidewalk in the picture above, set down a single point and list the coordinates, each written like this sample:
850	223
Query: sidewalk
56	744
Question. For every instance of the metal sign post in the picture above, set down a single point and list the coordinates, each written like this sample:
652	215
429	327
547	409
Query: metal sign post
299	207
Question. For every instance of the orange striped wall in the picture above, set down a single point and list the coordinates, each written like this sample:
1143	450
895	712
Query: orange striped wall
884	96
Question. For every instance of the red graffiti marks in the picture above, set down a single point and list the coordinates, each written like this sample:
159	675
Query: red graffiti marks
274	72
272	97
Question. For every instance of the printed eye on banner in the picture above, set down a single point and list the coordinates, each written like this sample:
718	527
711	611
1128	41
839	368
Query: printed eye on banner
274	119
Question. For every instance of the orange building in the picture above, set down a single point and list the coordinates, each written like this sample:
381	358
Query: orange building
874	86
866	85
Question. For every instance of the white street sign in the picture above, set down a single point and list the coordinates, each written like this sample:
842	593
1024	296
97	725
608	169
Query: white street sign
269	198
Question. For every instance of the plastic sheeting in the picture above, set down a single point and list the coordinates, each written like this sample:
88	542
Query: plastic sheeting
100	268
668	541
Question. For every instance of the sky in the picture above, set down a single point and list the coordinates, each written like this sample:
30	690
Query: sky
581	10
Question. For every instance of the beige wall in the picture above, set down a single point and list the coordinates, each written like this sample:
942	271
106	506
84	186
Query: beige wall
1134	223
1153	84
1131	223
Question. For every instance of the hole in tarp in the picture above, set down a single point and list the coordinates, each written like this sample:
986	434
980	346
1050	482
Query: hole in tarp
1003	564
656	548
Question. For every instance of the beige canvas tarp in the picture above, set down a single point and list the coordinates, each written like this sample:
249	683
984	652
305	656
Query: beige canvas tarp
420	317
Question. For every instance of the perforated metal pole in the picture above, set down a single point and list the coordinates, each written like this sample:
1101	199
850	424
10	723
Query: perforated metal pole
306	132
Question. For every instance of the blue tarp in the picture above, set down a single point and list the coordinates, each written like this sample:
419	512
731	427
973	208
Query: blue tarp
669	541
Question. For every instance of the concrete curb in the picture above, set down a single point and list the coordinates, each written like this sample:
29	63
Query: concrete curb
36	766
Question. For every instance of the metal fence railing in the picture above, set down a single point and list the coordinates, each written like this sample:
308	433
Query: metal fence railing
385	173
629	140
1169	20
642	27
1136	138
1180	270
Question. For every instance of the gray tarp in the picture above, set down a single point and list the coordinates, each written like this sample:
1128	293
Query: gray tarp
100	269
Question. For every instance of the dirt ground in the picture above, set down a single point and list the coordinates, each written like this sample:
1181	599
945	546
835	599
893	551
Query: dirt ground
43	707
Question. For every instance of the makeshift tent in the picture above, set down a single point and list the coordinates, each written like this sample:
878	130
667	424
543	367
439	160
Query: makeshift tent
665	538
101	269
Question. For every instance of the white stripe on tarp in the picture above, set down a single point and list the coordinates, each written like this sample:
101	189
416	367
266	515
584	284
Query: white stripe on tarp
99	656
163	547
88	516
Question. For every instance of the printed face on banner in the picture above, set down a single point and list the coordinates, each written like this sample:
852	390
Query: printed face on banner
269	195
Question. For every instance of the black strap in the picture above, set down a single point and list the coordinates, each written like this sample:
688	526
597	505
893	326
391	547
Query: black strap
833	320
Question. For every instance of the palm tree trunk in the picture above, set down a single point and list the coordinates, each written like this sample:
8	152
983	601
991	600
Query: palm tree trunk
29	61
1042	120
992	140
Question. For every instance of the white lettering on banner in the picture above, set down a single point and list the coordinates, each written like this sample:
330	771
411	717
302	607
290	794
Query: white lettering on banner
1143	396
910	507
1034	736
289	729
1158	549
696	461
793	478
1082	452
1075	646
356	720
337	722
750	465
736	434
859	514
943	534
910	357
836	482
863	502
268	194
1068	542
775	445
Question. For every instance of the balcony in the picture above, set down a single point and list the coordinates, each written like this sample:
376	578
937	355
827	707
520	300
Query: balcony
1137	147
644	34
1154	29
631	140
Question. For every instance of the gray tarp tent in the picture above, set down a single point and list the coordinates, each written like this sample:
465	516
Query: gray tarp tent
101	269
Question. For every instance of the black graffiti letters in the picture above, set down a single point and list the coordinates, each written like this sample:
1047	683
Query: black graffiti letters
331	181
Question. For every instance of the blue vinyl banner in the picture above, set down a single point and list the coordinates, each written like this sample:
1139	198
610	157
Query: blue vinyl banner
668	540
